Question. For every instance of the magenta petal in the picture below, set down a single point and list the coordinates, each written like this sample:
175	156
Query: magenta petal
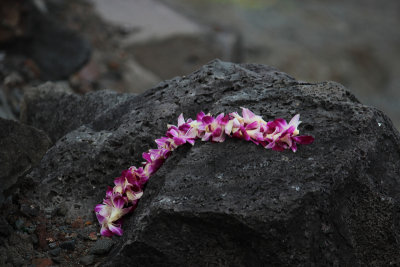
278	147
119	202
146	156
156	164
252	126
173	132
179	141
116	230
100	218
119	181
207	119
200	116
304	139
99	207
281	123
107	202
109	191
105	232
190	141
184	127
217	132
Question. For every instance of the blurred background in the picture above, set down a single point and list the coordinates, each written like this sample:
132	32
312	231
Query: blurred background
131	45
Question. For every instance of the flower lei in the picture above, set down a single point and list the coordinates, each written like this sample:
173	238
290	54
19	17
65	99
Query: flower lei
123	198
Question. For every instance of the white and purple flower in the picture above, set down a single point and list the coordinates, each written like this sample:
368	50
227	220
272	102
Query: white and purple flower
123	197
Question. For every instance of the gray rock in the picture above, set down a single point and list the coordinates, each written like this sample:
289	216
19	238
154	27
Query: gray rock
55	252
102	246
29	210
331	203
34	239
52	245
21	148
19	223
87	260
54	109
62	210
68	245
58	51
5	228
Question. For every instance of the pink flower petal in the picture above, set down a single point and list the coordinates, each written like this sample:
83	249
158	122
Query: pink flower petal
206	137
248	115
179	141
200	116
119	202
181	120
116	230
252	126
295	121
281	123
304	139
217	132
105	232
207	119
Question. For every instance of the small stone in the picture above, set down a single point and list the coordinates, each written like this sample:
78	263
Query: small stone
29	210
62	210
4	228
19	223
52	245
78	223
30	229
102	246
34	239
93	236
57	259
68	245
87	260
55	252
42	262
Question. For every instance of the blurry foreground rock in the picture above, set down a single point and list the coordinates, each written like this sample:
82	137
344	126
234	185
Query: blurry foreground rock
334	202
54	51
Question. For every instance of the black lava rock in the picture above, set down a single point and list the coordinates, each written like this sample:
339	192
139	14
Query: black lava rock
102	246
334	202
21	148
87	260
55	252
68	245
55	110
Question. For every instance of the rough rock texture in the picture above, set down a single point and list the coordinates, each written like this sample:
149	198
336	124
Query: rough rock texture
334	202
21	148
57	111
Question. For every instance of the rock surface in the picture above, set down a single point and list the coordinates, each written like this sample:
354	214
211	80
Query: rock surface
334	202
21	148
57	111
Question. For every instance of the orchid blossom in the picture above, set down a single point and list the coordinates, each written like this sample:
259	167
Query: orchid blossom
122	199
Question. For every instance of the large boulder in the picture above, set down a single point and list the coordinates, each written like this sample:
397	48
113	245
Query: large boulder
334	202
21	148
53	108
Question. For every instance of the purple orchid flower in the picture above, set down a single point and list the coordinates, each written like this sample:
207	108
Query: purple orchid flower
124	196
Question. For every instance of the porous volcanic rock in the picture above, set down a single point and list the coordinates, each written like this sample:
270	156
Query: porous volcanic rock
54	109
21	148
334	202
